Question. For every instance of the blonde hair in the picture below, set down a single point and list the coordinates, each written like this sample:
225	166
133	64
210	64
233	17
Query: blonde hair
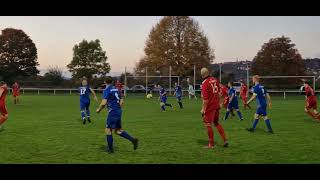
256	77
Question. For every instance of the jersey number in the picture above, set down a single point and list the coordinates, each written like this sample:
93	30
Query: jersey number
214	87
82	91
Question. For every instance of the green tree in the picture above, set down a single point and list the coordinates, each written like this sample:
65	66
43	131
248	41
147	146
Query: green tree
55	75
89	60
176	41
279	57
18	55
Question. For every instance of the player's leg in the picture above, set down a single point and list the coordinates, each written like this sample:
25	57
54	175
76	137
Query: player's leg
207	120
220	128
179	102
162	106
255	122
119	131
82	110
14	99
309	112
236	107
227	113
195	96
267	121
3	116
109	140
88	111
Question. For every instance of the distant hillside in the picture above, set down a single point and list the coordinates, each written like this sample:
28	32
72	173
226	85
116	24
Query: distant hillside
237	69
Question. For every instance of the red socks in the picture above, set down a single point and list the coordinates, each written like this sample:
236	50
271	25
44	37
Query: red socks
210	135
221	132
3	119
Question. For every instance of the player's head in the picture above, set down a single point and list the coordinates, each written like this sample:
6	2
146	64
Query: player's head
306	83
204	72
84	82
242	83
255	78
230	84
108	80
176	84
117	81
2	83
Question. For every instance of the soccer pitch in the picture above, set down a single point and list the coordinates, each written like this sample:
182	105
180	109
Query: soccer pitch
48	129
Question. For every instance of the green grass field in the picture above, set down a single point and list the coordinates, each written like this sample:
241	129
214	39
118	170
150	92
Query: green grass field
48	129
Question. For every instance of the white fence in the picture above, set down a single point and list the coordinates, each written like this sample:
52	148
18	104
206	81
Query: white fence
39	91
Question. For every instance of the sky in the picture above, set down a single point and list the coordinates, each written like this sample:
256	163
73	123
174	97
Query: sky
123	37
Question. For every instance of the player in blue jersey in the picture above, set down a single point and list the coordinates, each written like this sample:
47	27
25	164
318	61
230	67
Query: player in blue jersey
233	102
113	100
163	98
84	92
178	94
263	99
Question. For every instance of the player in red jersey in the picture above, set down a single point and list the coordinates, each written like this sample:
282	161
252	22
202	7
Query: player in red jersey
3	110
16	92
311	101
243	95
119	86
224	93
210	93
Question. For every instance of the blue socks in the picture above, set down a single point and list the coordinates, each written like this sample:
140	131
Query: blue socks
83	115
227	115
88	112
126	135
268	124
239	114
255	123
109	140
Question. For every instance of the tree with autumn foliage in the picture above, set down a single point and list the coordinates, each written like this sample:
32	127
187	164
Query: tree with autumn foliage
279	57
18	55
176	41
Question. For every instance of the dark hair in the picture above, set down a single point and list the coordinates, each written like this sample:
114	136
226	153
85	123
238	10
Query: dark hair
306	82
230	83
108	80
2	83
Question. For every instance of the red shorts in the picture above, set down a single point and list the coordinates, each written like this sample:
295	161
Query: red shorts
15	94
311	104
244	98
211	117
3	109
226	102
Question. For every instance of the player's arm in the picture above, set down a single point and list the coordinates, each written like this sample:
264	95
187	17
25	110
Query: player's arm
94	94
102	105
1	91
252	98
269	100
204	101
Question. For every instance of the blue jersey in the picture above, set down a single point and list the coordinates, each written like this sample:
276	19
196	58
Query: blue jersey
261	92
231	92
178	91
112	95
84	93
162	93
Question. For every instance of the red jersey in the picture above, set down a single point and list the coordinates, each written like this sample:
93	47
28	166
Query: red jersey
310	93
224	91
243	90
210	90
15	87
4	94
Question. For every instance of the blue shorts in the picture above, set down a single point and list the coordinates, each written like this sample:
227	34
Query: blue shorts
164	99
262	110
233	105
179	98
84	105
114	119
